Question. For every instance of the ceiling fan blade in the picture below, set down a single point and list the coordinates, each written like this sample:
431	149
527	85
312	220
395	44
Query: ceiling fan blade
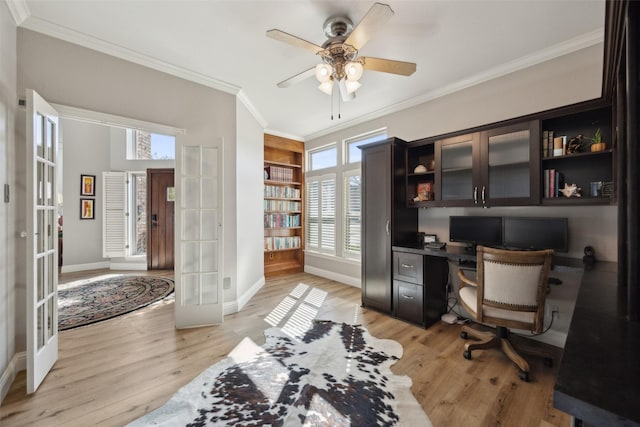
298	77
388	66
294	41
346	96
375	18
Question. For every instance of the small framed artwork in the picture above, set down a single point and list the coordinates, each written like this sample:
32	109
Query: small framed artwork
87	209
87	185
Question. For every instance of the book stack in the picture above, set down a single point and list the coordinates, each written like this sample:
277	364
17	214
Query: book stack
276	173
281	206
284	192
552	145
279	243
553	183
278	220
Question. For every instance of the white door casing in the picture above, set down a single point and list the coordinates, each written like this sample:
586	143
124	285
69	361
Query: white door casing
199	235
42	239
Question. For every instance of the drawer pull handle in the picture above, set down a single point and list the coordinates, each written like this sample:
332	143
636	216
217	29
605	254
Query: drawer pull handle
406	265
407	297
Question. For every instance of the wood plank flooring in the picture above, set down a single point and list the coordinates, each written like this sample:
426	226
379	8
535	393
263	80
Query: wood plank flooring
113	372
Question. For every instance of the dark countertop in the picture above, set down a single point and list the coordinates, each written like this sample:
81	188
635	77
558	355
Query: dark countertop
599	375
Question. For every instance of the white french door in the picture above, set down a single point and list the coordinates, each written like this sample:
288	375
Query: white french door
42	240
198	235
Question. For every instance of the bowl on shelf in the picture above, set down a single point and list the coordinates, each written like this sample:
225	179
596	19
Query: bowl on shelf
420	169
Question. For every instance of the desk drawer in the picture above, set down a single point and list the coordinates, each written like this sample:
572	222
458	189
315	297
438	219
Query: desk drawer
408	267
407	302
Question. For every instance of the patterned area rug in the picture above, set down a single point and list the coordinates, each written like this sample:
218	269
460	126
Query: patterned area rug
334	375
85	302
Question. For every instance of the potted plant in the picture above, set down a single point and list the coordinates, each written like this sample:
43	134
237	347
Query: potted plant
596	142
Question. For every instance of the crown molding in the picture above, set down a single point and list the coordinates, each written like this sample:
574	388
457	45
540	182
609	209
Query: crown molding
19	10
572	45
244	99
284	134
75	37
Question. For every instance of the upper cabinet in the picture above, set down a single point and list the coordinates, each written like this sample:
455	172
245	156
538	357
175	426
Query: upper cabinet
496	167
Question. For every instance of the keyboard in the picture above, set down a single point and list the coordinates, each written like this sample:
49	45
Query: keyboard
435	245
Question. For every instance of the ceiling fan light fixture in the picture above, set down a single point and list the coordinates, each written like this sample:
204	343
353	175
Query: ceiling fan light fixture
326	87
353	70
352	86
323	73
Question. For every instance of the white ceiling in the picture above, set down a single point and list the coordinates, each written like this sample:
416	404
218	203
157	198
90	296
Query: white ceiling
223	44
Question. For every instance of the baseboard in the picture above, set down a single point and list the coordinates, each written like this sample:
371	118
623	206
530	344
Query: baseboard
128	266
85	267
17	364
246	297
230	307
342	278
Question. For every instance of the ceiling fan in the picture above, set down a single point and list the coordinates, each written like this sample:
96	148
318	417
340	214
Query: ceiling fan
341	63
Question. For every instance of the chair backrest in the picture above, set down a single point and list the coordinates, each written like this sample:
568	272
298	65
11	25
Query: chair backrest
512	287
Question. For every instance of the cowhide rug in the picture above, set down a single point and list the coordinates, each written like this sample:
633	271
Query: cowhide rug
334	375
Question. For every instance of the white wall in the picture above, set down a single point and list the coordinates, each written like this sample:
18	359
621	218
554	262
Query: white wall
85	152
566	80
8	291
249	196
71	75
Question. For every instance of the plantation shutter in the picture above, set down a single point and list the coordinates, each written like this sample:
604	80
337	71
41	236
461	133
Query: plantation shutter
328	213
114	205
352	214
313	214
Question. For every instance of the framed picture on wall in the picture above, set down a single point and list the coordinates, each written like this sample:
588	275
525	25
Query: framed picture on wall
87	185
87	209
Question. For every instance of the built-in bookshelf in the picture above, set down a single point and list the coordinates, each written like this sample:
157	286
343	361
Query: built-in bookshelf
283	206
571	157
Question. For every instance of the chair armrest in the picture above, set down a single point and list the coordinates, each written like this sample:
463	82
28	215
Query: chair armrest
465	280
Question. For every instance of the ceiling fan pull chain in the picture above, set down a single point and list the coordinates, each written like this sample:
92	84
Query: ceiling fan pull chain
331	100
339	106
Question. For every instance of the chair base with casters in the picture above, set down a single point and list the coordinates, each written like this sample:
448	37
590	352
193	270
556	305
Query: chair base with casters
509	292
501	338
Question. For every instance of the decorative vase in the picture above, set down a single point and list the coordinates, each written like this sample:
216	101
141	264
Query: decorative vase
599	146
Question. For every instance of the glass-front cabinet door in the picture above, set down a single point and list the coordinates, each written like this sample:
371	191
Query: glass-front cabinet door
510	165
457	170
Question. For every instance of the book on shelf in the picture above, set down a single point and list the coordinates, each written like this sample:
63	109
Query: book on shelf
553	183
550	143
280	243
545	146
559	146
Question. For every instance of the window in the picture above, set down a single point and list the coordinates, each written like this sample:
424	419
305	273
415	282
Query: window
352	150
352	197
321	213
323	158
333	217
138	225
143	145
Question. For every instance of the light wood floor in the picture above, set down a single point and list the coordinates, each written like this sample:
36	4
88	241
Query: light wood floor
113	372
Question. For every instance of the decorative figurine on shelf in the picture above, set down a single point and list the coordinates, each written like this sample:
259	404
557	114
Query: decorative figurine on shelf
575	144
589	257
571	190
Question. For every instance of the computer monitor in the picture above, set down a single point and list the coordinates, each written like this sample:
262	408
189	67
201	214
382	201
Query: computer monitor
536	233
476	230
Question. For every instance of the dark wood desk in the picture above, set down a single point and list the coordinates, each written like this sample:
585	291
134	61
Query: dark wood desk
599	375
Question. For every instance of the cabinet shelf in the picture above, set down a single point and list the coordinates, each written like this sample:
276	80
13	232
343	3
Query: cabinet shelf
282	250
283	228
283	212
286	165
274	182
283	198
428	173
573	201
578	155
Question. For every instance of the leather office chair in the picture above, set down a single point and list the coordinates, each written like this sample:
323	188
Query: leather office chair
510	292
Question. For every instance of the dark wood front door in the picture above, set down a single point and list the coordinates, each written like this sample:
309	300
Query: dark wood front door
160	199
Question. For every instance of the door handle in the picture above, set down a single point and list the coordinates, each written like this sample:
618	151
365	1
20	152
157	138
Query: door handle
387	227
407	296
475	195
154	220
407	265
484	201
